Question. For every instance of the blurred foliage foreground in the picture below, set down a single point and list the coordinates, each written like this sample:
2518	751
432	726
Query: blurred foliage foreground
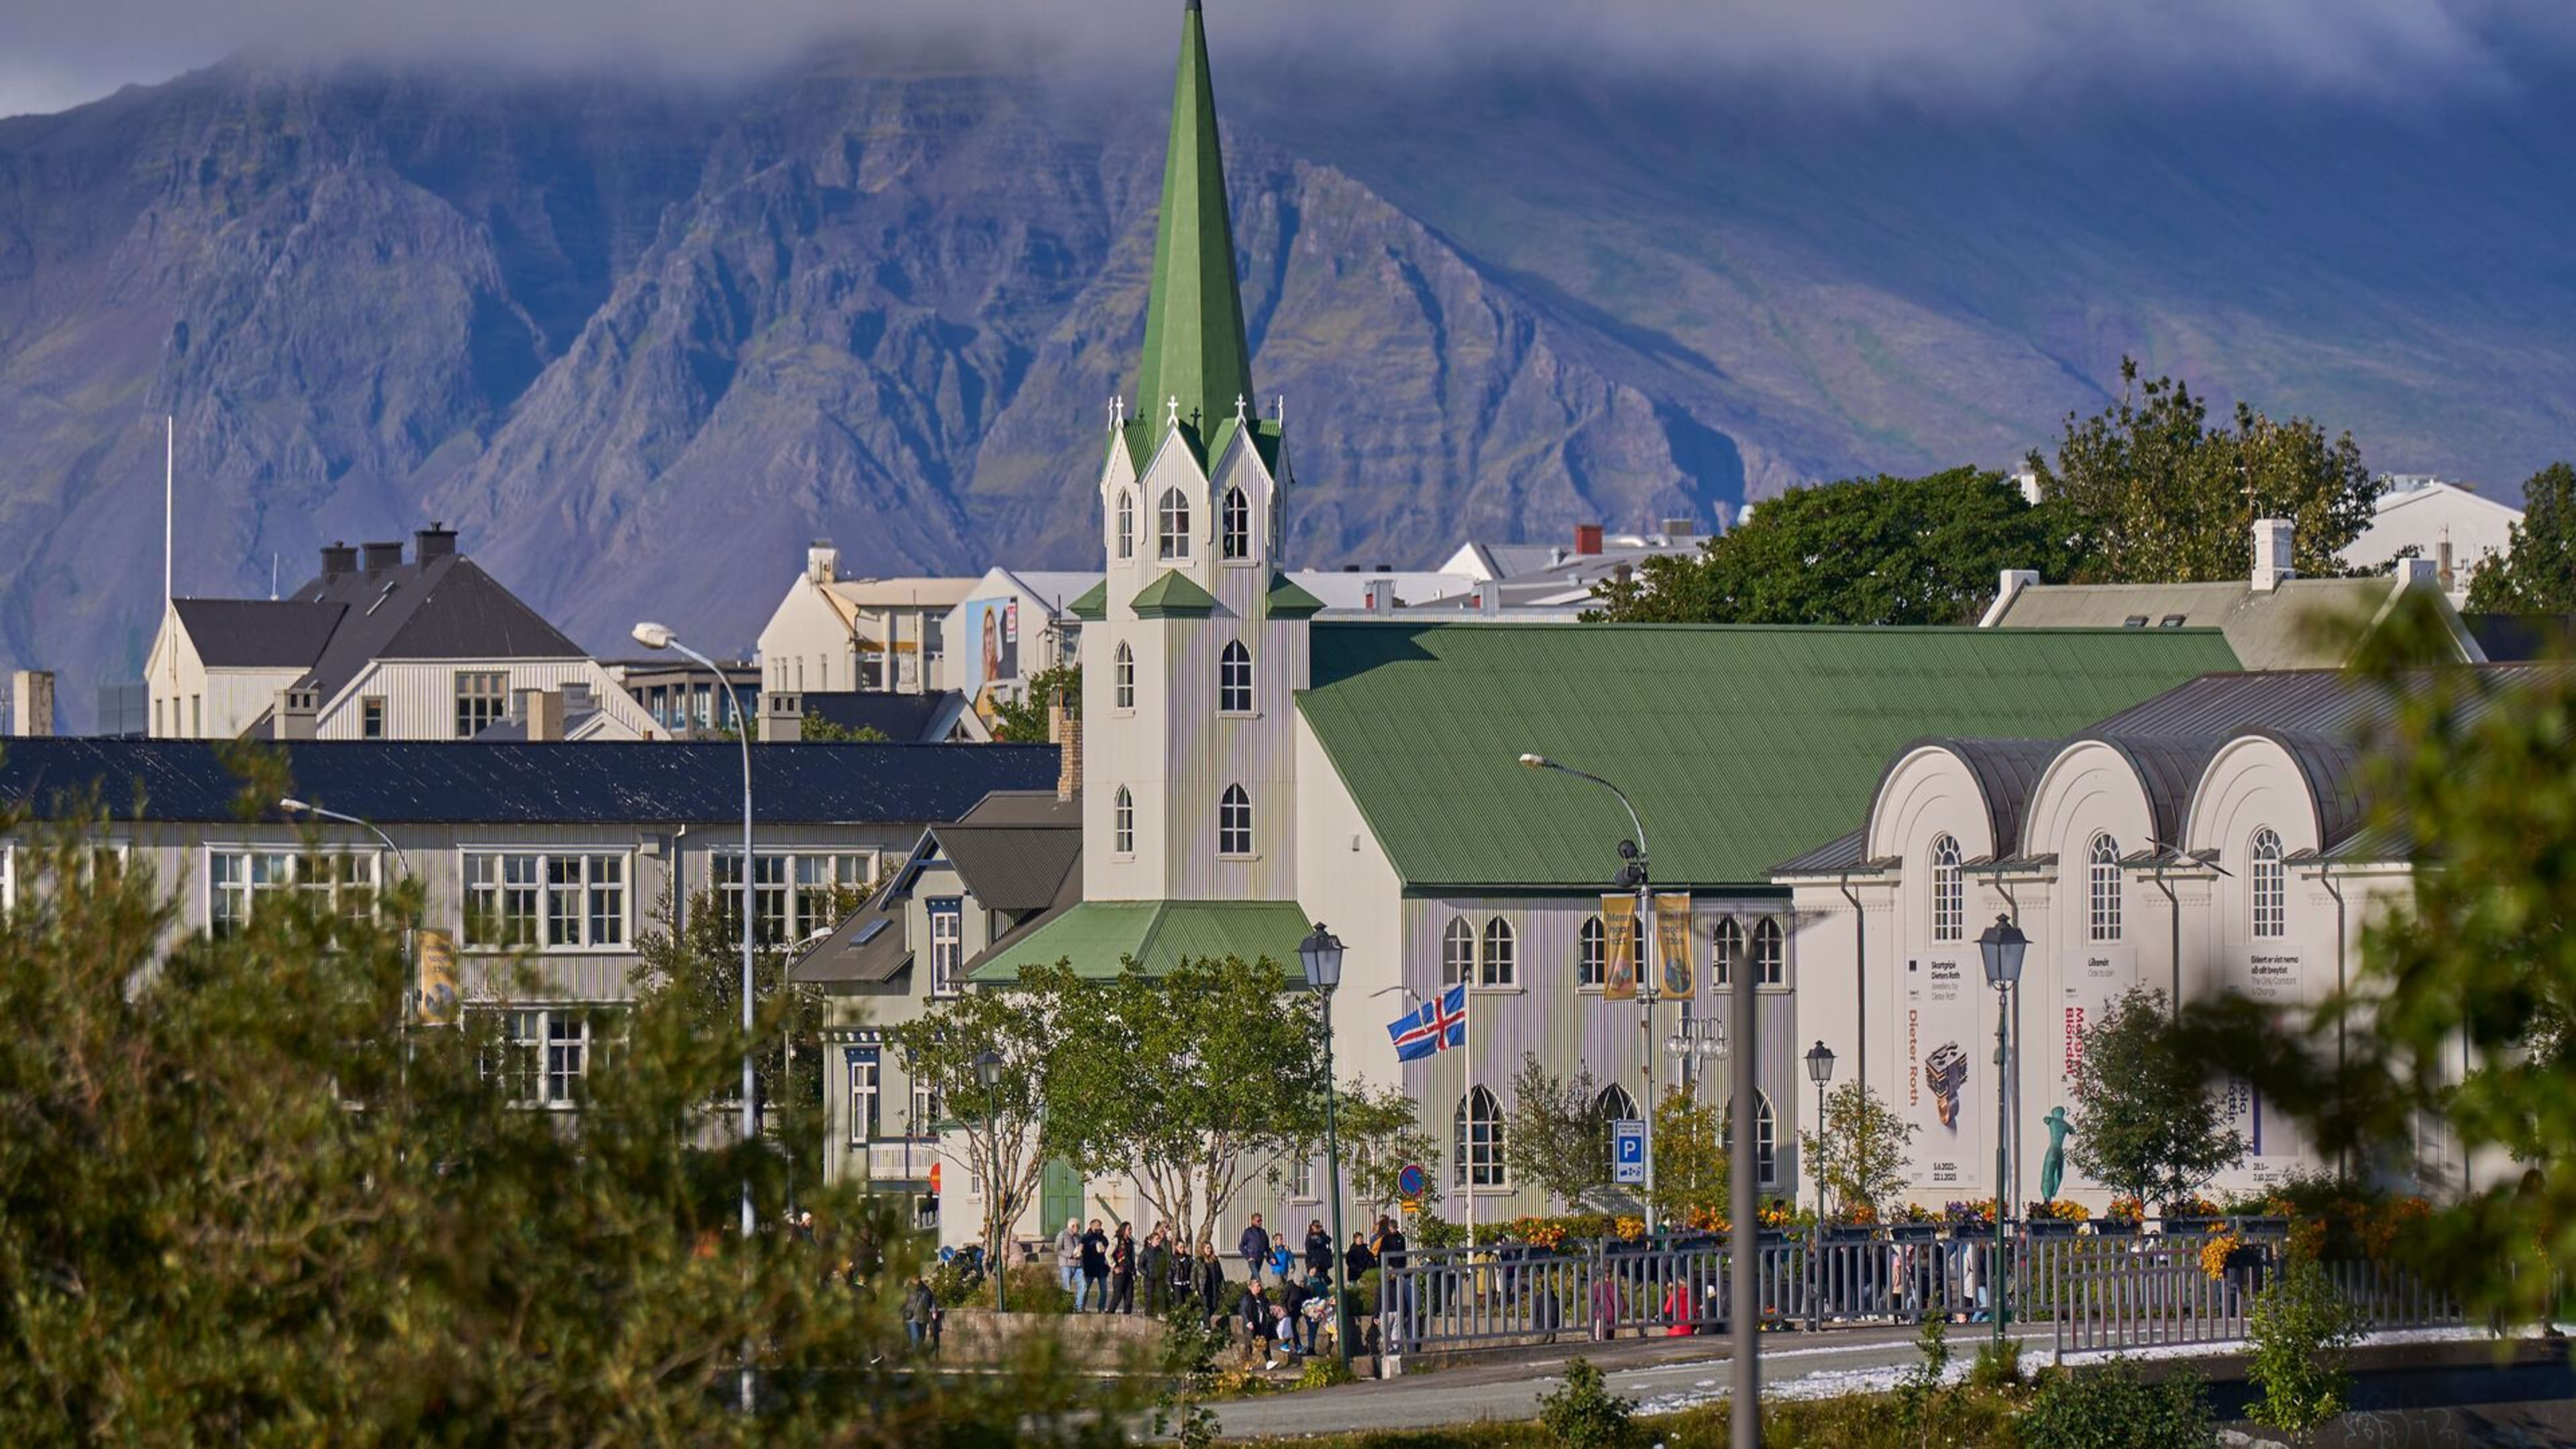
242	1201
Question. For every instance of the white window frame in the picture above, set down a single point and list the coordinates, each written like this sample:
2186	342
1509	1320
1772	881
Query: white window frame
480	703
2267	887
1769	951
1725	951
1234	835
1613	1104
946	951
1302	1187
1479	1144
1126	524
1591	955
2102	886
1498	956
1122	678
866	1083
1172	527
1234	679
925	1110
1122	823
1949	891
241	874
494	875
1457	953
794	893
547	1052
1237	530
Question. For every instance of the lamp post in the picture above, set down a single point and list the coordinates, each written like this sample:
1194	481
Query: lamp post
1321	955
411	938
1820	1070
988	1071
2003	946
657	636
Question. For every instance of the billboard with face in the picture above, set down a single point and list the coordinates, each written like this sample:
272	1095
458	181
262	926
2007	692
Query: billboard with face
992	642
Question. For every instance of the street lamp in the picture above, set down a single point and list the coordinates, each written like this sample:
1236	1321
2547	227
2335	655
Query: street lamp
1696	1039
658	636
2003	946
1820	1070
1321	955
988	1071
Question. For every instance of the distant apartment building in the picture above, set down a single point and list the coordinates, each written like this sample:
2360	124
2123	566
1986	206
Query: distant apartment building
2450	524
833	634
377	647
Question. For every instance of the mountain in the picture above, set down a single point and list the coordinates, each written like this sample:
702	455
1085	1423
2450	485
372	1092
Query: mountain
640	339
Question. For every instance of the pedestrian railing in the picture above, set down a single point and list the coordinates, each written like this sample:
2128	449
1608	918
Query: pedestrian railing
2114	1294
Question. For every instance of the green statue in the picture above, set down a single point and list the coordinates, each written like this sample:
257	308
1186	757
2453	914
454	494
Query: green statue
2052	1167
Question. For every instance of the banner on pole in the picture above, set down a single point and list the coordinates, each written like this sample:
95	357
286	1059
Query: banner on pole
437	986
1673	945
1619	944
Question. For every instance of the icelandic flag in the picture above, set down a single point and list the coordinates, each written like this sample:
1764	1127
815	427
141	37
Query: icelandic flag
1434	1026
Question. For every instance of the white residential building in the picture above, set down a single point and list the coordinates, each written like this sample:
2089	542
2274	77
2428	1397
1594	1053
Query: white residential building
2425	517
832	634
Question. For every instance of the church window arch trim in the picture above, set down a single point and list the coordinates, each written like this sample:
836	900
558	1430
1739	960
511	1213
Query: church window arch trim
1235	536
1234	679
1234	822
1172	527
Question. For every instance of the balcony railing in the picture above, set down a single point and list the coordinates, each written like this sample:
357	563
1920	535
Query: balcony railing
902	1160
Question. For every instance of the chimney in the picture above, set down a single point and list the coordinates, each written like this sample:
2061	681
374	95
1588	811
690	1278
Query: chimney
2418	573
1489	598
2442	553
1064	727
378	557
2007	589
2273	538
31	703
822	562
1587	538
544	715
1677	529
782	716
298	711
1381	597
338	558
436	541
2027	479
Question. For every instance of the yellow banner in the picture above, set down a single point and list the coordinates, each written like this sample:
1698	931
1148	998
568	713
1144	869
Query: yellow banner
1619	932
1673	945
437	1003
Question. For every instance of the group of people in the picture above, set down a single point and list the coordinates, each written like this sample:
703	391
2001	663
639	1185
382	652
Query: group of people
1285	1303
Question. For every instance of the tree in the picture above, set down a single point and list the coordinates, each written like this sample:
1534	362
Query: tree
1193	1080
1861	1156
1009	1135
1691	1166
1023	721
238	1202
2149	493
2537	574
1381	1130
1881	550
700	972
1555	1136
813	729
2146	1124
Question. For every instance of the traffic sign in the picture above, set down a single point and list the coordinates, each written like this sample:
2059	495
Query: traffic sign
1410	1181
934	1179
1628	1150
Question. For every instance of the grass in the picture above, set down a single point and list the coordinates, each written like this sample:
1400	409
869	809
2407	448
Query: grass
1962	1417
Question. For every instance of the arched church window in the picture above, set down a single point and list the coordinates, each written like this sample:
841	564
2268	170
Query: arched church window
2270	887
1238	524
1172	533
1234	822
1949	892
1234	679
1122	674
1126	525
1122	823
2102	890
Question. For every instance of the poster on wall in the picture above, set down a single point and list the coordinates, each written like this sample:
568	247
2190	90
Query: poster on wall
992	642
1619	948
1673	946
1947	1073
2092	978
2271	971
2270	1151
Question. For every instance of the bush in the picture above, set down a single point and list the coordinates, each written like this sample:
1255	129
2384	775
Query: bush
1361	1297
2112	1408
1034	1289
2302	1331
1996	1367
1322	1371
953	1283
1584	1414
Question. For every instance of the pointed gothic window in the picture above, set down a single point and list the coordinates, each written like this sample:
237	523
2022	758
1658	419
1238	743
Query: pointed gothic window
1477	1142
1727	953
1234	822
1122	823
1502	953
2102	880
1592	954
1234	680
1457	952
1614	1104
1123	678
2270	886
1766	1138
1126	525
1949	892
1172	534
1770	954
1238	524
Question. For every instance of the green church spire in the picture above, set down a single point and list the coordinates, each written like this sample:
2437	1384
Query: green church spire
1194	339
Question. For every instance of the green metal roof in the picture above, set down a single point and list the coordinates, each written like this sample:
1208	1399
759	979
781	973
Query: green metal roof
1287	601
1098	938
1092	604
1740	745
1195	346
1173	596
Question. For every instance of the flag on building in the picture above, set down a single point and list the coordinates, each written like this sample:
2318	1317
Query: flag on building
1434	1026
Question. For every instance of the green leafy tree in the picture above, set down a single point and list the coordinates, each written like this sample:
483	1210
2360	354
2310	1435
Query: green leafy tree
1555	1136
1881	550
240	1201
2303	1333
1023	721
1195	1080
2146	1124
2148	492
1690	1161
2538	574
1007	1133
1862	1154
1381	1130
813	729
1582	1413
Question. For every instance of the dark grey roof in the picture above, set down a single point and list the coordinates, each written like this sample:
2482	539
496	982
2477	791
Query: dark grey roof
257	633
1024	807
1068	894
468	782
447	608
1011	868
867	947
1839	854
2521	638
904	718
2302	701
2006	771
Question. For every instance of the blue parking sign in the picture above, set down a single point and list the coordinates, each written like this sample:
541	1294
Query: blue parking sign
1628	1151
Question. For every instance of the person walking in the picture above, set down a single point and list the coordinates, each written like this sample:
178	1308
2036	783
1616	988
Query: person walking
918	1308
1211	1282
1068	1256
1154	1264
1254	1246
1357	1259
1094	1246
1122	1271
1319	1247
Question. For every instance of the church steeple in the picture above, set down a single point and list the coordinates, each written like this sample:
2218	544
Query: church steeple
1195	348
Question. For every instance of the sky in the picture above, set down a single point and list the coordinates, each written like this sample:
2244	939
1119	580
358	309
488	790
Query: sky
62	52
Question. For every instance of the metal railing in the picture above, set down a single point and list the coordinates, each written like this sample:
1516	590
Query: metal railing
902	1161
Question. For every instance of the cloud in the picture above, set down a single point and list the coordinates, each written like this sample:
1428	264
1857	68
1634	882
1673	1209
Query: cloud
1980	48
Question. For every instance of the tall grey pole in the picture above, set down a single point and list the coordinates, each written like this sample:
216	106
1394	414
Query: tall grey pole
1333	1170
2003	1137
1743	1319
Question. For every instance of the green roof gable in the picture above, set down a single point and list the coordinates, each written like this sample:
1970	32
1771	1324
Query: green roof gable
1173	596
1092	604
1098	938
1287	601
1741	745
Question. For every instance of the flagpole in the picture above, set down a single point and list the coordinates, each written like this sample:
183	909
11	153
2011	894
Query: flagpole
1467	1045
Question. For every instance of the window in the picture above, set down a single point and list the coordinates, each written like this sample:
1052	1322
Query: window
1457	952
196	716
557	902
2270	886
482	699
1501	954
1770	954
1614	1105
1126	525
947	933
1238	524
1477	1142
8	876
1727	951
926	1113
238	881
864	1082
1766	1139
1122	823
543	1057
1234	680
1591	954
2102	885
371	717
1301	1181
794	896
1123	676
1172	535
1234	822
1949	892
